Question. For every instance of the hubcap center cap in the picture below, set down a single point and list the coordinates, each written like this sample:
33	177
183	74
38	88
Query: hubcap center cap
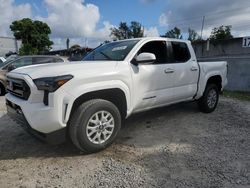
101	127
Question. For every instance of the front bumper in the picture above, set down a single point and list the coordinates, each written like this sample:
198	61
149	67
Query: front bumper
15	112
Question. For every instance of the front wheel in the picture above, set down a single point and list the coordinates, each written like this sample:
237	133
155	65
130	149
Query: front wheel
208	102
94	125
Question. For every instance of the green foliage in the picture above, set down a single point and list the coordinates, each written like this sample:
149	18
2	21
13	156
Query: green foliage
34	36
192	35
75	47
136	30
222	32
27	49
174	33
124	31
241	95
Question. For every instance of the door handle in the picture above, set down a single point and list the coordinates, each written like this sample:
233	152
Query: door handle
194	69
169	70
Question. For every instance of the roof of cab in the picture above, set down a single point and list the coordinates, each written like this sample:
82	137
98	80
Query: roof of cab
154	38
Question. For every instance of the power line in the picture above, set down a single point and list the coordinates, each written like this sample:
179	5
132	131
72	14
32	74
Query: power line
209	16
211	20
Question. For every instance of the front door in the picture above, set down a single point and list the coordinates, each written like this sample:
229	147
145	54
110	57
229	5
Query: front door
153	83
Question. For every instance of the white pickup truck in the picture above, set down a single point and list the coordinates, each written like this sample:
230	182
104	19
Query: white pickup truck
87	100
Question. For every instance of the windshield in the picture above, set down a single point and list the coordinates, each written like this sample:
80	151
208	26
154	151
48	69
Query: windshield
114	51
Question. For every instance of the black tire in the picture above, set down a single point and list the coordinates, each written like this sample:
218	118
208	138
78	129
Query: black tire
204	104
80	119
2	90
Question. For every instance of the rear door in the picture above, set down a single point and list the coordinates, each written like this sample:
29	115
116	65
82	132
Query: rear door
186	72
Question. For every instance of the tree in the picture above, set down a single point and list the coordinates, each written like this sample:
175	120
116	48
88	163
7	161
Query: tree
126	32
192	35
34	36
75	47
122	32
222	32
136	30
174	33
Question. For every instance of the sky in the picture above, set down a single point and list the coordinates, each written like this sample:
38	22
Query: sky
88	22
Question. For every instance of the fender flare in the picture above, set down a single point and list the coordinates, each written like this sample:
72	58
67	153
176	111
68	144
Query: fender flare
95	87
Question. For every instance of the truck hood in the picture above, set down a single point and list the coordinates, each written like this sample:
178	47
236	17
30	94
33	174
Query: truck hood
59	69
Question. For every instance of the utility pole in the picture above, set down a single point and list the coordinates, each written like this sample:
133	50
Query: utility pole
67	43
202	26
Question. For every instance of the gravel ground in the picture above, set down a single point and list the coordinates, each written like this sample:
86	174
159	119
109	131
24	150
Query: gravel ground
176	146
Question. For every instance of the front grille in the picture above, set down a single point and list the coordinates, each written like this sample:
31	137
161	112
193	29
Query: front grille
18	87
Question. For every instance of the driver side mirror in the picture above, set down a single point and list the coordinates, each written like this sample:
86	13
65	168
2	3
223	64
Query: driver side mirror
11	67
144	58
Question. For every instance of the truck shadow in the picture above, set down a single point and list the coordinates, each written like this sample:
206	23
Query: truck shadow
138	130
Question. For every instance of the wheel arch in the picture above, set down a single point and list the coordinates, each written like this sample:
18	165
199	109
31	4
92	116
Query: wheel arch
217	80
214	77
114	95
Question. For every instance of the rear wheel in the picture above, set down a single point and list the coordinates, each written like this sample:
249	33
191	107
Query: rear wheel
94	125
208	102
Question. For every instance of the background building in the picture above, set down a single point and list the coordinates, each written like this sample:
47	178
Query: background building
236	52
8	44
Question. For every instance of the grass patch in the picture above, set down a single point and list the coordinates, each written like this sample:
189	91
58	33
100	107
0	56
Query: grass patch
245	96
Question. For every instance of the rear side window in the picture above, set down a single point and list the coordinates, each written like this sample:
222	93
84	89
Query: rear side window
181	52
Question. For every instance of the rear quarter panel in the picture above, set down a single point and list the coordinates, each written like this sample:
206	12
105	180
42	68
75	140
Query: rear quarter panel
208	70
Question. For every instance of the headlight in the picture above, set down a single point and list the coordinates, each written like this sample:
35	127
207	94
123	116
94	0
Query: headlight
51	84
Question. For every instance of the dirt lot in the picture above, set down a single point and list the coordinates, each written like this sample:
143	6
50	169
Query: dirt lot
175	146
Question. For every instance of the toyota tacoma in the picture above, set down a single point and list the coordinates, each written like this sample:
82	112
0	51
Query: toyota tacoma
87	101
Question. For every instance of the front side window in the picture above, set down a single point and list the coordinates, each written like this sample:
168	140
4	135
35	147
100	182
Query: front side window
114	51
180	52
158	48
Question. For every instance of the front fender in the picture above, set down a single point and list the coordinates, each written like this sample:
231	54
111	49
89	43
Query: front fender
76	92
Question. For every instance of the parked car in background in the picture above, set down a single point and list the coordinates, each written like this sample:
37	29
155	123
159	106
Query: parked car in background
11	57
2	59
14	62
